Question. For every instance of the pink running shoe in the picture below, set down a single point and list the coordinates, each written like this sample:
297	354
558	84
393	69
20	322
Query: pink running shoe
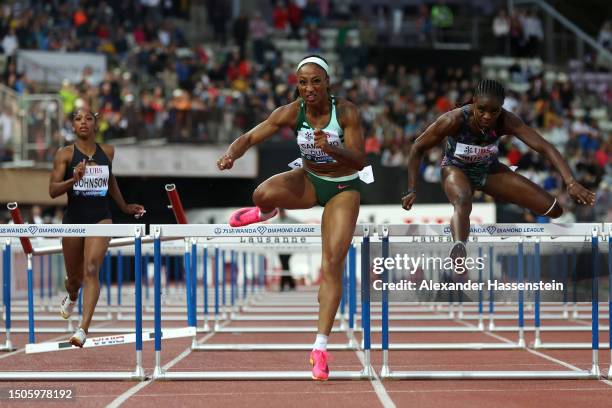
318	361
249	215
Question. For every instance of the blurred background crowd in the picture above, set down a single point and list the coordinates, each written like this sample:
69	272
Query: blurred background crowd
161	84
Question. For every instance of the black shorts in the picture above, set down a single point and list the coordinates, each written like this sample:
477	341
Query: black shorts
85	217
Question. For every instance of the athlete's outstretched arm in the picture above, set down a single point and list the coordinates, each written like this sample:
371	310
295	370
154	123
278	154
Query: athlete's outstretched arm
285	115
432	136
57	184
515	126
353	153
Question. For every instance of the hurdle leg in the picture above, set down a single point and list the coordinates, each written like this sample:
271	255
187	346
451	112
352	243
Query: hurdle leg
385	371
352	283
565	283
610	299
341	310
595	304
119	281
6	277
575	287
480	306
538	275
139	370
491	293
521	294
367	371
206	327
217	262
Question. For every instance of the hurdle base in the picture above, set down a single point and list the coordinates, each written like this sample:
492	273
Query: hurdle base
7	346
571	346
256	375
71	376
449	346
271	329
491	375
267	347
385	371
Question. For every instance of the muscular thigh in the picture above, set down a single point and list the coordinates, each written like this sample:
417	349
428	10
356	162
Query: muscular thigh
338	223
456	184
95	247
72	248
291	189
506	185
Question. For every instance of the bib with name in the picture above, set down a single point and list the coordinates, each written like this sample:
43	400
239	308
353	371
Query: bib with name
94	182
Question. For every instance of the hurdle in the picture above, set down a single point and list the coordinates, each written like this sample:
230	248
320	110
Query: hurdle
517	233
219	328
346	320
222	230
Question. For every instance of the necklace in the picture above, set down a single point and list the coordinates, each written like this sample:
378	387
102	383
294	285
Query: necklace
478	127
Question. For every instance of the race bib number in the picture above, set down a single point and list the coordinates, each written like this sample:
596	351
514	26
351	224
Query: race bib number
474	154
94	182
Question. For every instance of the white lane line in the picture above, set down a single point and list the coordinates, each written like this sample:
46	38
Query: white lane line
537	353
419	391
130	392
379	388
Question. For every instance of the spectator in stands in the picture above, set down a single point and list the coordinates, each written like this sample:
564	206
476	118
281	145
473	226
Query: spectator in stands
517	38
294	16
258	32
605	35
280	18
423	24
313	39
533	33
6	129
241	32
501	31
9	43
442	20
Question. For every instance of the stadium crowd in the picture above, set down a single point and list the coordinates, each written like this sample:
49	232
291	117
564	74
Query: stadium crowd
159	85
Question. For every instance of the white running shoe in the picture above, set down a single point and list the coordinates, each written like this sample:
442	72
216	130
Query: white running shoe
78	338
67	307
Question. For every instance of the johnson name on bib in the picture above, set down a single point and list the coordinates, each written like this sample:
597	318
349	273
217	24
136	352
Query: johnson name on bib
94	182
475	154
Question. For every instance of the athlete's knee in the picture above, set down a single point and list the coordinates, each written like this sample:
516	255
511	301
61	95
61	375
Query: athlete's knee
263	197
91	269
463	202
330	264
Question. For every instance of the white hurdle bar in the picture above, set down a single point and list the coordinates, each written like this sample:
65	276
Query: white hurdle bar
222	230
79	230
518	233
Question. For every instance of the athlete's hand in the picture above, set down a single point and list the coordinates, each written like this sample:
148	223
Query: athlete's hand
79	171
136	210
225	162
408	200
580	194
320	139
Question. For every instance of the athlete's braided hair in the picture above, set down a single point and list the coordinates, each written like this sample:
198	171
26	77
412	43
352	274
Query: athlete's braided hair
490	87
486	87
